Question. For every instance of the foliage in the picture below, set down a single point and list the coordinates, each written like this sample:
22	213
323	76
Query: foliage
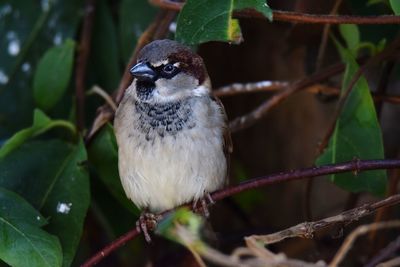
356	126
60	196
208	20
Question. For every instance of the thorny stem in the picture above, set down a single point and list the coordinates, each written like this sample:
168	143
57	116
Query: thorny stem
355	166
81	62
296	17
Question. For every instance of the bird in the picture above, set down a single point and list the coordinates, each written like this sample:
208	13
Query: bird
172	133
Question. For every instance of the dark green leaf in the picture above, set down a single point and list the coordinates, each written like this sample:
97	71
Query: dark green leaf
207	20
41	123
22	242
351	35
105	57
357	135
395	4
103	154
52	177
52	75
33	27
259	5
131	29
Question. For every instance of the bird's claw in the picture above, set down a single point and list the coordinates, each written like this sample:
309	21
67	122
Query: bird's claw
201	205
147	222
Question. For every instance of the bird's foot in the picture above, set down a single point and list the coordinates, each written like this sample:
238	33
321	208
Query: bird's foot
201	205
147	222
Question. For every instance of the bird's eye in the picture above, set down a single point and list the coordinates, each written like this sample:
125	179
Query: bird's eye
169	68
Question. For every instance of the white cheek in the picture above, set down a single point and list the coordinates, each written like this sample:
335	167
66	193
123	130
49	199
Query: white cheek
179	86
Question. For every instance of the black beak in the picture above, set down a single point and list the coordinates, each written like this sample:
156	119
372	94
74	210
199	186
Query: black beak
143	72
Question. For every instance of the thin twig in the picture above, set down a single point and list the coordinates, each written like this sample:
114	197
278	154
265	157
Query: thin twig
325	35
389	51
308	229
241	88
295	17
276	86
361	230
81	62
385	253
156	30
383	83
247	120
103	94
395	262
353	166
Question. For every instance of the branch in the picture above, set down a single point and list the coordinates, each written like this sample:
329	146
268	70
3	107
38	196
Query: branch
242	88
363	229
81	62
274	86
246	121
308	229
295	17
353	166
157	29
389	51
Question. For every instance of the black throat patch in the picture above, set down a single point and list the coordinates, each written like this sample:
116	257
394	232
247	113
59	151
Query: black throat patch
144	89
164	119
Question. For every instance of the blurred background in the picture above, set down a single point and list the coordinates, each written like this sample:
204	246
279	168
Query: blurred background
286	138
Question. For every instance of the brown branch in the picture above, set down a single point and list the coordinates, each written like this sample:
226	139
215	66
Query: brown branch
363	229
157	29
295	17
355	166
254	87
276	86
385	253
389	51
324	37
258	113
308	229
110	248
81	62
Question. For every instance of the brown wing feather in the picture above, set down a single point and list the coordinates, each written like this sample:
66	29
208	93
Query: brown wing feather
228	146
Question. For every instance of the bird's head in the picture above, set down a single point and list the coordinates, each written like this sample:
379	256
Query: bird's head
168	71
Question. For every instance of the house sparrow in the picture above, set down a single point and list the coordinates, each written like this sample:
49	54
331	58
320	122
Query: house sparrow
173	139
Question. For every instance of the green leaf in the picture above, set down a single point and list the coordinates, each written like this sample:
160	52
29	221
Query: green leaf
52	177
207	20
22	241
351	35
131	29
103	154
395	4
259	5
34	28
185	218
357	135
105	62
52	75
41	124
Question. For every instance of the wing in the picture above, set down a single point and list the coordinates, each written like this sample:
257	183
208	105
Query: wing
228	147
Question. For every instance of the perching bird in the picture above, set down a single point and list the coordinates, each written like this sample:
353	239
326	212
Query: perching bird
173	140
